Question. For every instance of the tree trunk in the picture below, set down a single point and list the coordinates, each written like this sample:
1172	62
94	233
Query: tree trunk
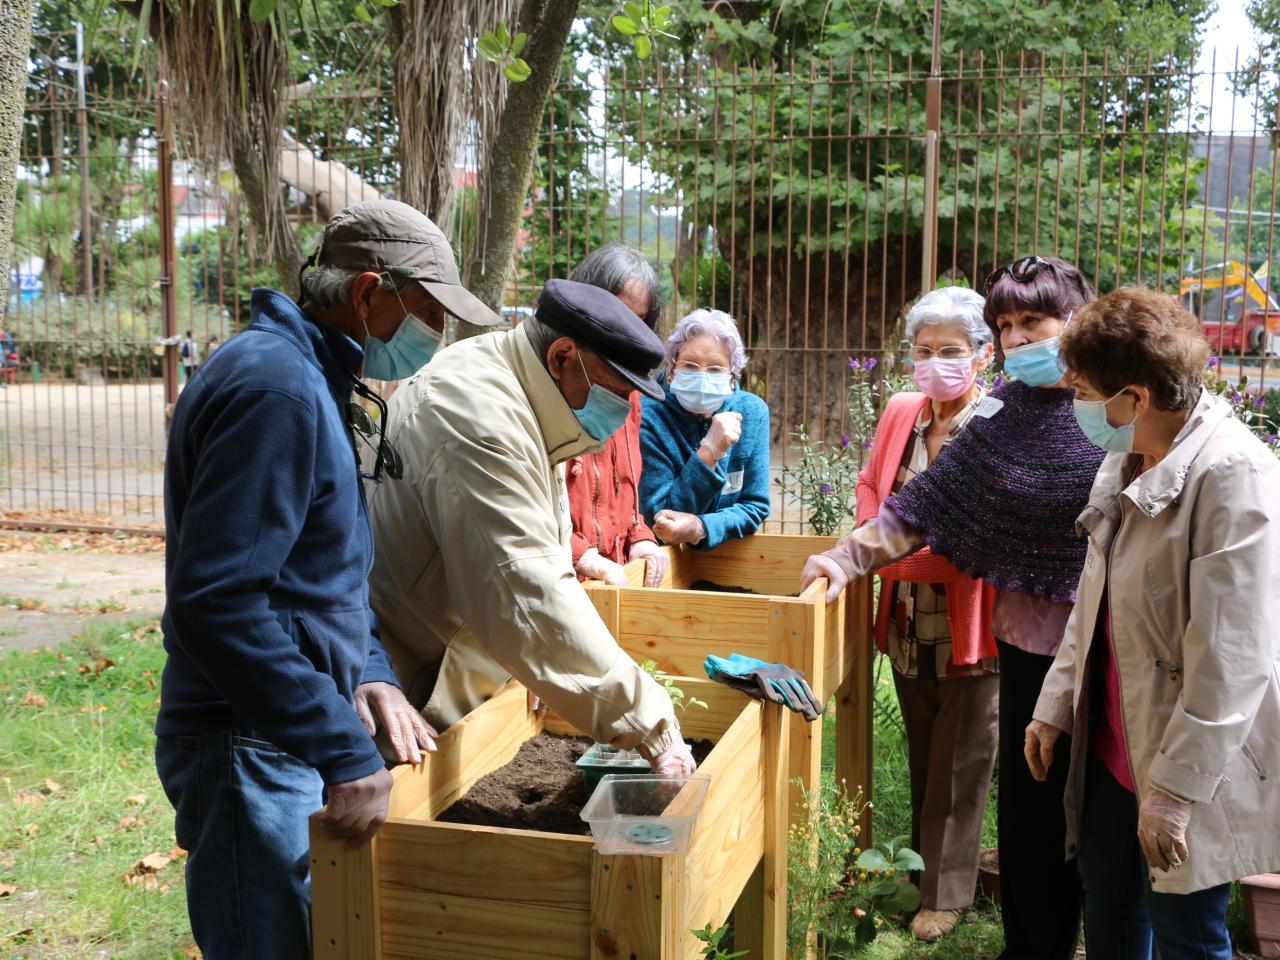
504	183
261	195
15	44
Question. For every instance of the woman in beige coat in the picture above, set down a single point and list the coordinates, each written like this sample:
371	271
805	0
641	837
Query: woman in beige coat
1168	678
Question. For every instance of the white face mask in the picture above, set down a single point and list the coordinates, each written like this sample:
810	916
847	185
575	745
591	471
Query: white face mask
701	392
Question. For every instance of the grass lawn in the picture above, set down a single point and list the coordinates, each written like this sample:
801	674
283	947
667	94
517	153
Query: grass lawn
80	805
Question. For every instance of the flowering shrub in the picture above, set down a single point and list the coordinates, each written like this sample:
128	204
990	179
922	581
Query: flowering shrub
1254	409
839	895
824	477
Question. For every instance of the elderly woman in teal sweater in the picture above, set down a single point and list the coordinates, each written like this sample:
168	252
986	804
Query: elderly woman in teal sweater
706	446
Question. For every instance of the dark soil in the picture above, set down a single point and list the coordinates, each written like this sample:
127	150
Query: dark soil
710	586
540	789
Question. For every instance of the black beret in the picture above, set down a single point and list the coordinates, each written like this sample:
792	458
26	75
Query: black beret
598	320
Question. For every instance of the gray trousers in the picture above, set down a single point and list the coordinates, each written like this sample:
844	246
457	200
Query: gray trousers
951	750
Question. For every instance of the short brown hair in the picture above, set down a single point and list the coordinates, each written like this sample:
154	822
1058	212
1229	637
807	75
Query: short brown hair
1138	336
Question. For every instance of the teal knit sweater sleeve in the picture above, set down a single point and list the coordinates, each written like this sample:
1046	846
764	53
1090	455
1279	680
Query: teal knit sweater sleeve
733	499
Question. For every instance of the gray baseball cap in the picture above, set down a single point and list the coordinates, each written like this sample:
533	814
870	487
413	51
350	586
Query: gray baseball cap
390	235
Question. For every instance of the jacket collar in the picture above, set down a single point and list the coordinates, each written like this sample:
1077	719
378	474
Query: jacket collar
326	348
561	432
1160	486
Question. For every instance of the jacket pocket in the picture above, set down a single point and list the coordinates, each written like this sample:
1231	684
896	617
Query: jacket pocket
313	646
1252	762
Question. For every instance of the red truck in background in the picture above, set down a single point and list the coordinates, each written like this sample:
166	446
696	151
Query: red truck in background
1237	313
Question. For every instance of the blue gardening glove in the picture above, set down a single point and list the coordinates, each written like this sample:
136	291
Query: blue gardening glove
775	682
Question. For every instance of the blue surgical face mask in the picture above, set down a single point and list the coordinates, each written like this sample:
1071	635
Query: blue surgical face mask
701	392
1092	417
1036	364
605	412
410	348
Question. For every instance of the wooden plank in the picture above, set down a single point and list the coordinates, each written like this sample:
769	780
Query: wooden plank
444	926
481	742
795	636
627	907
345	906
855	698
766	563
689	614
486	863
728	841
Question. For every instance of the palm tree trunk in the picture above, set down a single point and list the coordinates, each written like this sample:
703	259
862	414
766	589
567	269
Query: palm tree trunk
15	44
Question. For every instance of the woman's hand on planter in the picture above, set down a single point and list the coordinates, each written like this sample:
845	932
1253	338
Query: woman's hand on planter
595	567
655	561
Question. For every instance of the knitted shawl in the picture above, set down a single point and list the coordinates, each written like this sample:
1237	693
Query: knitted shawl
1001	500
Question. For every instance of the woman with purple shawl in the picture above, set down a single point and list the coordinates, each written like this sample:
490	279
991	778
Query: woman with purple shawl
1000	502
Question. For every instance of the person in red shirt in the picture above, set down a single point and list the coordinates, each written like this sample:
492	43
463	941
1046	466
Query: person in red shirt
604	501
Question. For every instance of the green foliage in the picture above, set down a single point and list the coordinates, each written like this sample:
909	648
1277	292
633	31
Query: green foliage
714	940
501	47
839	895
707	280
643	23
677	695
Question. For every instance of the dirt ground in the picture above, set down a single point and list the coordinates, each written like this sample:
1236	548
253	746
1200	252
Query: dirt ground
50	583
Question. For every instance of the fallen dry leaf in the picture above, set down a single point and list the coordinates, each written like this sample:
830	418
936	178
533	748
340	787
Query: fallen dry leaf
31	829
98	841
8	863
151	863
8	889
164	888
50	786
18	935
136	800
25	798
102	663
147	881
192	952
177	853
33	699
126	823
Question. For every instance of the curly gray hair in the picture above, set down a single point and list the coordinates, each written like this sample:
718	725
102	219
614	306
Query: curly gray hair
713	323
958	306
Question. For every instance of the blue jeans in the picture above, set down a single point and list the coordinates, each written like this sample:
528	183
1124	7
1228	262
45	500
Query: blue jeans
1123	916
241	813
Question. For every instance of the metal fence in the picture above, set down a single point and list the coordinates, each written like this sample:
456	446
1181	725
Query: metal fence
810	201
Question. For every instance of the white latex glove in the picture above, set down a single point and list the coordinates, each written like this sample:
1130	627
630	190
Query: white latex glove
824	565
1038	748
1162	829
595	567
726	430
675	761
655	561
673	527
383	705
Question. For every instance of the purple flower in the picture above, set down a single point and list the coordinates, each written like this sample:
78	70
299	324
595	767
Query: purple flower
854	364
998	383
870	364
844	439
866	445
1259	403
1214	361
827	488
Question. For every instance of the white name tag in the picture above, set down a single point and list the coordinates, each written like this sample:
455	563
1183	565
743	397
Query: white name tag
734	483
989	407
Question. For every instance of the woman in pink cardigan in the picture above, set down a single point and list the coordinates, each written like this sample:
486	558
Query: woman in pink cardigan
934	622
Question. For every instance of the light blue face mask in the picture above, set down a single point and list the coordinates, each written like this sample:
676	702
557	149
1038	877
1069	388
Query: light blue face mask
1092	417
701	392
410	349
1036	364
605	412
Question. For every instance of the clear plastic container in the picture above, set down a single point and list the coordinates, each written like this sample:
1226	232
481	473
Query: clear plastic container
601	759
645	814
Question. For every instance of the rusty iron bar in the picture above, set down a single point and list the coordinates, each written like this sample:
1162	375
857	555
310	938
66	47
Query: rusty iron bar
55	526
168	251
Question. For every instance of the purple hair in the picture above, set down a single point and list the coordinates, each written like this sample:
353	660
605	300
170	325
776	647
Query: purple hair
1055	291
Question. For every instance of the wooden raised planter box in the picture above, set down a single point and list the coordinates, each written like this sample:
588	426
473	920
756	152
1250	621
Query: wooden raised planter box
677	627
440	891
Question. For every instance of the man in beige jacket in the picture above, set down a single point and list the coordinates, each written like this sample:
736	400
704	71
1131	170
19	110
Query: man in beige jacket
472	579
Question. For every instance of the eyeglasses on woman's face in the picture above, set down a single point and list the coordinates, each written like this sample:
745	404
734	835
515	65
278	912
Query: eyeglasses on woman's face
688	366
924	354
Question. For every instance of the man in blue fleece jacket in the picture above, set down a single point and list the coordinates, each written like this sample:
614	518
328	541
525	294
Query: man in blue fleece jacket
275	680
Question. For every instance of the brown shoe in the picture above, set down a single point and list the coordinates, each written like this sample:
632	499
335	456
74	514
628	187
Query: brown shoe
931	925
